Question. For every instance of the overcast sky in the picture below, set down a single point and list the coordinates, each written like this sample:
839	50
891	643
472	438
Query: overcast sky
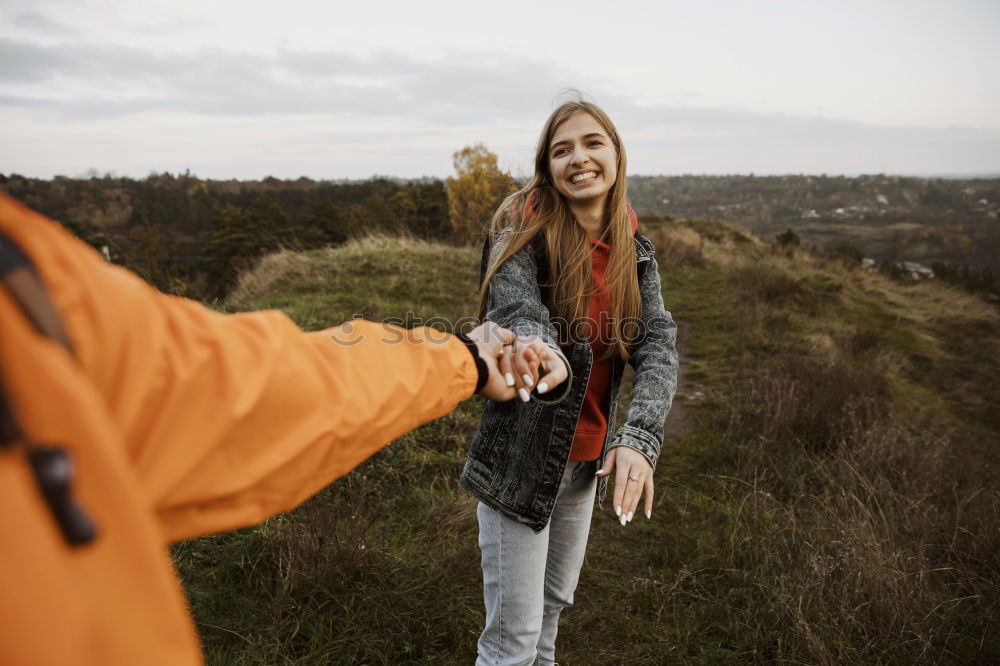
347	90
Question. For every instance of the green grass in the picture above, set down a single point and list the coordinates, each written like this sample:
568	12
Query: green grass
836	500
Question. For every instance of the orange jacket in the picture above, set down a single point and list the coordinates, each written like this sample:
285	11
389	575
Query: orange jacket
181	422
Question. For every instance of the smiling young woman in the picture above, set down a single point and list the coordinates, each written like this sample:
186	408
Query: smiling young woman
567	267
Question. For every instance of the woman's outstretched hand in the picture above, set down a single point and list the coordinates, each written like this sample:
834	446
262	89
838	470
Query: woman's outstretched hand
524	362
516	365
634	476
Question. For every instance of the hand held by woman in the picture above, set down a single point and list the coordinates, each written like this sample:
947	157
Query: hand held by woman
515	363
523	362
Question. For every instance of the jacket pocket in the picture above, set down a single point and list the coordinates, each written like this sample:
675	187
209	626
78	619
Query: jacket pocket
525	463
490	440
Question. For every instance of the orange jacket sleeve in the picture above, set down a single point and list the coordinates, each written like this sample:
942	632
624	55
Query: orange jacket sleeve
228	419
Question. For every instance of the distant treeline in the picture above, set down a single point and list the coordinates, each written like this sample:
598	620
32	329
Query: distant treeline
191	237
888	218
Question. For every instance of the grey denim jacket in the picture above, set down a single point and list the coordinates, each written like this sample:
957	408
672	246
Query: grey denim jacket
519	450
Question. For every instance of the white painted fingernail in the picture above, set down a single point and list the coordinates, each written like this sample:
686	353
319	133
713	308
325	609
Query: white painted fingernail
543	387
629	519
618	511
527	380
524	395
649	515
600	471
510	379
623	521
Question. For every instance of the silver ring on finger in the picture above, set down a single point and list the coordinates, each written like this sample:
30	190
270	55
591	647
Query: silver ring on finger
634	478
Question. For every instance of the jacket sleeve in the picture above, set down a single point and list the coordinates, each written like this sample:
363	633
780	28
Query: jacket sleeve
228	419
515	302
654	381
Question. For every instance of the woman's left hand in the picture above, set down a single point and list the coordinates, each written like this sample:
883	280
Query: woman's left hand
634	476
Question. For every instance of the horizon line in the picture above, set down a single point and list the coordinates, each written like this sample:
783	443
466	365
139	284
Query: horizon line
96	174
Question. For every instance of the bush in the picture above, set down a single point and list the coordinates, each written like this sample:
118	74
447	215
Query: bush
849	255
788	238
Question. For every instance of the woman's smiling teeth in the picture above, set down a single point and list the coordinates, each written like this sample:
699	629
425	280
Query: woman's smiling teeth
581	177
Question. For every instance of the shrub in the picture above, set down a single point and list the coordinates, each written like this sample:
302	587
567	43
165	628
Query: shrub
788	238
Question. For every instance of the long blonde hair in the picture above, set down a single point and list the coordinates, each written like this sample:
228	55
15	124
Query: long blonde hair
538	207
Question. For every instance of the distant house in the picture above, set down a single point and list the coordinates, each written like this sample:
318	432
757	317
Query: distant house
915	271
882	199
809	214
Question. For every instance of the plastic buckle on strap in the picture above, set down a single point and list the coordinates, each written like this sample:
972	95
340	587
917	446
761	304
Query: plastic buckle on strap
53	469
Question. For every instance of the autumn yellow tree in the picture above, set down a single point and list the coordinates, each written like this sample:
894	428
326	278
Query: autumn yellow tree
475	190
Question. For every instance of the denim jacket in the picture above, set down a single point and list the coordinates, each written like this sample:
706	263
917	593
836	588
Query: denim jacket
519	450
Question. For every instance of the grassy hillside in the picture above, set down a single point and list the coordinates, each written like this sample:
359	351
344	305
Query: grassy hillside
834	499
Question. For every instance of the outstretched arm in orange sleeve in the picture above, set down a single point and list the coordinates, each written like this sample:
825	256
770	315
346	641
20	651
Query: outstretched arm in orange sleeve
228	419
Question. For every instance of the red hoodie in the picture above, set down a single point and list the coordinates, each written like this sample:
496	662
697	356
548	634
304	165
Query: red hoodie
592	426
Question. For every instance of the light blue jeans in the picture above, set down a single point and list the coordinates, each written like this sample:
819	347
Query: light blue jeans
529	578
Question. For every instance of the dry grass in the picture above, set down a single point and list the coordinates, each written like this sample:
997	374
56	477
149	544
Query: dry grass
327	267
866	515
271	273
677	246
836	501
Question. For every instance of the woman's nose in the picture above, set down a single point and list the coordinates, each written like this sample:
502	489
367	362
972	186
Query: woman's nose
580	155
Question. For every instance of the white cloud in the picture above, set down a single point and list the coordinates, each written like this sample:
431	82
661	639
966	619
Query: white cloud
335	91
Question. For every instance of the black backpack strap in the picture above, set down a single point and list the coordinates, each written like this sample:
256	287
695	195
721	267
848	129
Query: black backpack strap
541	261
11	259
11	256
484	263
21	279
52	465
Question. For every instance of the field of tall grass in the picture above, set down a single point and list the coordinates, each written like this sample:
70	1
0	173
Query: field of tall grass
835	499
